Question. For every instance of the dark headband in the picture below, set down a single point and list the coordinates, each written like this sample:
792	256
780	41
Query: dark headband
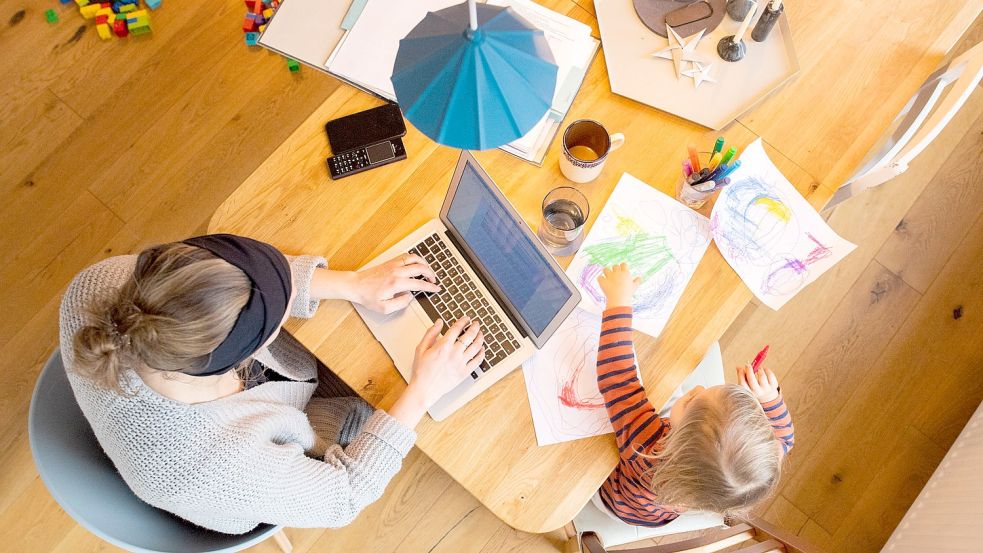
269	273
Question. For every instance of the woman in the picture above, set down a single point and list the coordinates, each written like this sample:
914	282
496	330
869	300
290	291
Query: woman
206	409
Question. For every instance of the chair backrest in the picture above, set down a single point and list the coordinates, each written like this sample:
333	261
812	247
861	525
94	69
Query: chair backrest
85	483
753	535
920	121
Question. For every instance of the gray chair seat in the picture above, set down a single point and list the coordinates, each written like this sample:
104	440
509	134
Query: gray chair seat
87	486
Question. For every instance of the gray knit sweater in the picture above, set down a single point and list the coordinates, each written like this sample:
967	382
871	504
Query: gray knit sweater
248	458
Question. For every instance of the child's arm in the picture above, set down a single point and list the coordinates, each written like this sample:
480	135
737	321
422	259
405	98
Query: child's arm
636	422
764	385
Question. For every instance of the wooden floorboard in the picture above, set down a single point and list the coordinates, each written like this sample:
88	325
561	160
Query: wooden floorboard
107	147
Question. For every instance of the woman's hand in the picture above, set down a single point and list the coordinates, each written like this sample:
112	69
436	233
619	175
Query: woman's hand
389	287
763	384
440	364
618	285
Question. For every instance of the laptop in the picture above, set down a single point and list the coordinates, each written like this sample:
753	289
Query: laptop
491	267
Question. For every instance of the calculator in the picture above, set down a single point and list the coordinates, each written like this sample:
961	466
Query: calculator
355	161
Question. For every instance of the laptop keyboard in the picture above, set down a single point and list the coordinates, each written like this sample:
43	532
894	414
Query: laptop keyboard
460	296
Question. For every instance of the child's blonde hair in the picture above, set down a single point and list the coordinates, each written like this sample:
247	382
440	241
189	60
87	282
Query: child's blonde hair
723	457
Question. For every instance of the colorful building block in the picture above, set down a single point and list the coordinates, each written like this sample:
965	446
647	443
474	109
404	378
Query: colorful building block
82	3
51	16
267	13
252	39
249	24
292	65
89	11
120	29
104	32
152	4
137	31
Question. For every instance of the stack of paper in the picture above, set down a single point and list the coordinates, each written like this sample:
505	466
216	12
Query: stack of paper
366	54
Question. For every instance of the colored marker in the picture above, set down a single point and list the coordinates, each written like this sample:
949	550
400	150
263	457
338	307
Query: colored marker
729	155
718	171
687	168
731	168
759	359
694	158
719	145
714	161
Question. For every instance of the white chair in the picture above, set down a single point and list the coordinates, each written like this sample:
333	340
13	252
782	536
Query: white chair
920	121
751	536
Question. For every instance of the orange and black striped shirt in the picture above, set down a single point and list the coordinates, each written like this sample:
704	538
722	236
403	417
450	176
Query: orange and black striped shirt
639	428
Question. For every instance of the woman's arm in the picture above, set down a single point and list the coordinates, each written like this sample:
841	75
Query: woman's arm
384	288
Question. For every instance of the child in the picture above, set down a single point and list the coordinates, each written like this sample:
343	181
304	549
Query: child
720	449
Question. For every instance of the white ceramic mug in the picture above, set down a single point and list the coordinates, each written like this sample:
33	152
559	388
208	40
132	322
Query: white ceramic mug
586	145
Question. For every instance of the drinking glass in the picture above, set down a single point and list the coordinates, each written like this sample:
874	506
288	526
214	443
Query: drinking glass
565	210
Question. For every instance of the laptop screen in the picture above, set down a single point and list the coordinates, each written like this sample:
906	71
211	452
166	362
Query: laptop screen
507	254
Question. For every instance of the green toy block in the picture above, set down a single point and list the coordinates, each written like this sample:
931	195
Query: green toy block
51	16
292	65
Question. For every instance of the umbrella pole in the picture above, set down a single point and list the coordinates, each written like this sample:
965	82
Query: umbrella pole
473	13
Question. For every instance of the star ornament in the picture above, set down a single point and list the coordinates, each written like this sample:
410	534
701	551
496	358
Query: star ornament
699	73
679	50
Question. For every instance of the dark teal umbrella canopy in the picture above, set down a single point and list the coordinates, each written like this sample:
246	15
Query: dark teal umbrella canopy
474	89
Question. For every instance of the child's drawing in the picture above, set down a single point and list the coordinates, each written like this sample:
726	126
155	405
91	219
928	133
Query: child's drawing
769	234
660	239
561	382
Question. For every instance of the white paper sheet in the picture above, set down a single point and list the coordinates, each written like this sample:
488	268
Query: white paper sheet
367	53
769	233
661	240
561	382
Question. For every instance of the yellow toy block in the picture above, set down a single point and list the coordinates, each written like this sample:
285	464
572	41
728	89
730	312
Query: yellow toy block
82	3
106	11
125	8
262	28
267	13
90	10
104	32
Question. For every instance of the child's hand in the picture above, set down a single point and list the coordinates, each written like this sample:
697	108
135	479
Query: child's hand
763	384
618	285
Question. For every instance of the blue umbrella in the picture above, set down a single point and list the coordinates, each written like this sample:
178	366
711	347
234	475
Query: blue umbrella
474	77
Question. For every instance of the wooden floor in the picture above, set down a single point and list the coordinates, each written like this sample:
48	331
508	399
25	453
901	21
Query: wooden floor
108	147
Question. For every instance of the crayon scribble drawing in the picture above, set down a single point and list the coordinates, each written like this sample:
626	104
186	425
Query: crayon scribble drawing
660	239
769	234
561	382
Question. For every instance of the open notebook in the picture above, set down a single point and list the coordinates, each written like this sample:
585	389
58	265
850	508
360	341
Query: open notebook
365	55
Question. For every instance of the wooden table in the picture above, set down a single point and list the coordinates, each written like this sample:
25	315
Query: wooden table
860	63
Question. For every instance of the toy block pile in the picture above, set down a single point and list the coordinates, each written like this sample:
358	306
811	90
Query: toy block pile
120	18
258	14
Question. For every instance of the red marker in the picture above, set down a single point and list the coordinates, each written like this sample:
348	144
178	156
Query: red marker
759	359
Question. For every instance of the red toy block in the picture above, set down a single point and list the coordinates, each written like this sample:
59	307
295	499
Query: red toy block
249	25
102	19
119	27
